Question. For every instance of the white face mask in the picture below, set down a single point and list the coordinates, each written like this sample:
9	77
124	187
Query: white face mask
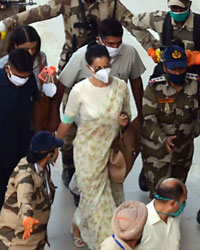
102	74
112	51
49	89
16	80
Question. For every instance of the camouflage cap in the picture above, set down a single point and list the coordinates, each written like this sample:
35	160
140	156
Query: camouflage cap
174	57
180	3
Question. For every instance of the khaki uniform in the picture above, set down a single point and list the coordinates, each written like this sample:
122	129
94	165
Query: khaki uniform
166	113
154	21
28	194
70	11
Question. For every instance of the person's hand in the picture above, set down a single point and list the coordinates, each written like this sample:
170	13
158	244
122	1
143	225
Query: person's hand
2	7
169	144
193	57
123	119
2	26
48	74
28	227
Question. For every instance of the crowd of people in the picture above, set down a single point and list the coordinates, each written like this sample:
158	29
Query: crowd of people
94	69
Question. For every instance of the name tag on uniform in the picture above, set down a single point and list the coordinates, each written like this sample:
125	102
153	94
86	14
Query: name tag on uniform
166	100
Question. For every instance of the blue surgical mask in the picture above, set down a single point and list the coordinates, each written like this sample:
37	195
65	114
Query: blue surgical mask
179	16
175	214
177	79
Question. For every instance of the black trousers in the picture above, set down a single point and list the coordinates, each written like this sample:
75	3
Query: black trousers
8	162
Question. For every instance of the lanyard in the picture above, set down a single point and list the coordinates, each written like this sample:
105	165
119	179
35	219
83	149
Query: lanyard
45	182
118	243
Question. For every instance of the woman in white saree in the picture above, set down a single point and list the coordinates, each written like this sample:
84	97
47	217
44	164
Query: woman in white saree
102	101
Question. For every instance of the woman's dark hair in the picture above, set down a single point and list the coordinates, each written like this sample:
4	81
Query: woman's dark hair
33	157
95	51
110	27
21	60
23	34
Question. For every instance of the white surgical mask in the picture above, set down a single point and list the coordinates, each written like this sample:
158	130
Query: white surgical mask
103	75
16	80
49	89
112	51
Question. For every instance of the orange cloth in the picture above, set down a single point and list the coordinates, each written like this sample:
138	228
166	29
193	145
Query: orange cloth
28	227
152	54
193	57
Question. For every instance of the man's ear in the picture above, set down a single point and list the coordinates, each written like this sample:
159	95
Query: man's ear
7	68
98	39
164	67
172	203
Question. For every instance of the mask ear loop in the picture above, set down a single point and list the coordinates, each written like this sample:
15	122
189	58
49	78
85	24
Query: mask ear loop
52	79
92	69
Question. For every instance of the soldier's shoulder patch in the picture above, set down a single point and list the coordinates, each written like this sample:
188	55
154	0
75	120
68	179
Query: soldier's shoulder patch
156	80
192	76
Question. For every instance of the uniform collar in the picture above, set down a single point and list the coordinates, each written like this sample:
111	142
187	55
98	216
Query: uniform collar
38	169
188	24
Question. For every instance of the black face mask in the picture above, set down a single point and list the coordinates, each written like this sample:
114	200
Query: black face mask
177	79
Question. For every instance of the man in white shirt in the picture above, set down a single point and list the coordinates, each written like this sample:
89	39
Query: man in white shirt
162	229
126	64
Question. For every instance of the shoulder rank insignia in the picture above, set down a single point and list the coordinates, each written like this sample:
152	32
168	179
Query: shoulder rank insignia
156	80
192	76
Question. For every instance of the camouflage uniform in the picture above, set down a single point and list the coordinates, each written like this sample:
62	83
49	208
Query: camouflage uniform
28	194
70	11
154	21
4	13
166	113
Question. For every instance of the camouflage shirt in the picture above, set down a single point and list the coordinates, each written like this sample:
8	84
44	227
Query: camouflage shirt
70	11
154	21
167	112
30	192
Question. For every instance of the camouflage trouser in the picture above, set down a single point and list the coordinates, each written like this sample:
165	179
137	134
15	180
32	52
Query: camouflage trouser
67	149
177	168
36	241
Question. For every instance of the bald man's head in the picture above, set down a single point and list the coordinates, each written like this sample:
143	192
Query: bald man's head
171	188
